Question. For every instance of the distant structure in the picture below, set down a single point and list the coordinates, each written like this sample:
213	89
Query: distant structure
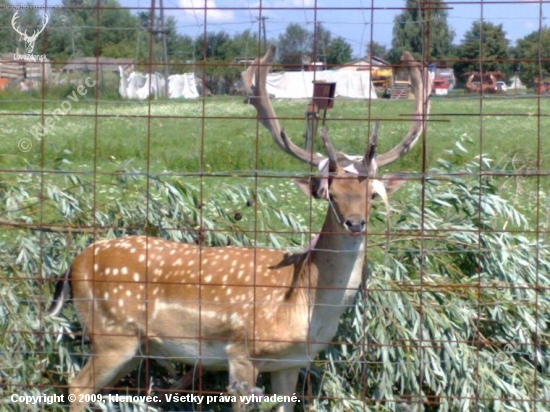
381	71
447	75
484	83
73	71
142	86
516	84
25	73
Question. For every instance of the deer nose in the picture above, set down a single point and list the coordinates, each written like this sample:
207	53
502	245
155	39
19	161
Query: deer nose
356	225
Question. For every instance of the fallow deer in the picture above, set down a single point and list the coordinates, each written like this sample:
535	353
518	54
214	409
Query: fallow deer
246	310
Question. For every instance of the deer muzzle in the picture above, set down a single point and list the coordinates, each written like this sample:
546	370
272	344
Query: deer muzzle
356	225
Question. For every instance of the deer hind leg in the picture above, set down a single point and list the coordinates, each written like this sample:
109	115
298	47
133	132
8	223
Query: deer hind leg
112	358
284	383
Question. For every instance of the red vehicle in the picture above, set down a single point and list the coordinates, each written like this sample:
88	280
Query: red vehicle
543	88
440	86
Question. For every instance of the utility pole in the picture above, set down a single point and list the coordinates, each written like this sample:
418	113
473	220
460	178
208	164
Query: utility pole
154	31
262	29
164	48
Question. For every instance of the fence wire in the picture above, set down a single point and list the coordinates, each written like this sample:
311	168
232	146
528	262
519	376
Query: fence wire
130	121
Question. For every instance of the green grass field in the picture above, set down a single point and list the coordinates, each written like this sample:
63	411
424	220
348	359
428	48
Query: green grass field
220	134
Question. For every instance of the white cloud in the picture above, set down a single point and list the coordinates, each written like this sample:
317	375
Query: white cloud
195	9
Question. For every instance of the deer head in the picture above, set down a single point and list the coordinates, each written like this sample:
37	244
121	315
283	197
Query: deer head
254	80
29	40
249	310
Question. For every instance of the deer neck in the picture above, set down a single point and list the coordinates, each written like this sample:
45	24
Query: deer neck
328	282
338	260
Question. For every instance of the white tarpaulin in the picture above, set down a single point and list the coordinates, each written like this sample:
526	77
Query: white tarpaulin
299	85
182	85
140	86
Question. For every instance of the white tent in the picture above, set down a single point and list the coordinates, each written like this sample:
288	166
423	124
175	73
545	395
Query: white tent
141	86
182	85
299	85
516	83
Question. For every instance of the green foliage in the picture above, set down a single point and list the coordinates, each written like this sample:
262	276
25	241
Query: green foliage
215	55
330	50
338	52
8	36
213	46
242	45
376	49
294	44
534	53
74	32
297	44
411	34
484	43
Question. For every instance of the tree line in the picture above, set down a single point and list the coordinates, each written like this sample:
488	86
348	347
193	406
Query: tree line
484	46
102	28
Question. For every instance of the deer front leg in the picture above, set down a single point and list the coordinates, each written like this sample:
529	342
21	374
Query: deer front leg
243	374
284	383
113	357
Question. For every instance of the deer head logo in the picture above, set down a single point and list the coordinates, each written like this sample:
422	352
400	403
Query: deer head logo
29	40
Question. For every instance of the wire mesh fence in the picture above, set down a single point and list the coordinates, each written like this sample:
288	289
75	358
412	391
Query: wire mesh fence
140	164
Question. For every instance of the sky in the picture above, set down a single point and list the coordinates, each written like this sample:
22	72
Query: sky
357	21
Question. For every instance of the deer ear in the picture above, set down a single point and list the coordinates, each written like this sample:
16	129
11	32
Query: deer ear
391	183
317	188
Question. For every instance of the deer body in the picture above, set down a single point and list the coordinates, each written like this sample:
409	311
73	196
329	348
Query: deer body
246	310
215	305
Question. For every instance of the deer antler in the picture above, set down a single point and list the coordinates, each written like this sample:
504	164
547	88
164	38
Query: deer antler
254	80
421	107
45	20
24	34
14	22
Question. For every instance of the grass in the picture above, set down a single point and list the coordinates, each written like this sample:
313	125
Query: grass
220	134
217	142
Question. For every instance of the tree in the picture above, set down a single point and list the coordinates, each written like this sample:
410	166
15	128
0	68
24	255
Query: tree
179	47
294	44
297	43
338	52
77	32
531	50
321	39
377	49
484	48
242	45
7	34
409	33
213	46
